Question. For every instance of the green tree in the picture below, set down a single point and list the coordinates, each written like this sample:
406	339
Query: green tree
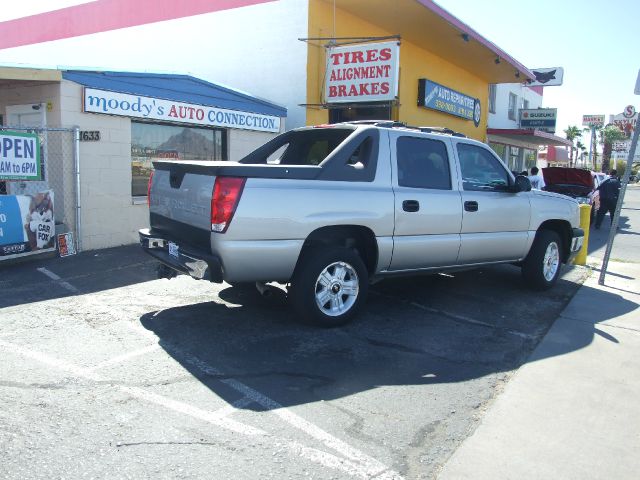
572	133
608	135
581	149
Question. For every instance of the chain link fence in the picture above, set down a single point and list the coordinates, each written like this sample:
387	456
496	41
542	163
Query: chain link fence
57	164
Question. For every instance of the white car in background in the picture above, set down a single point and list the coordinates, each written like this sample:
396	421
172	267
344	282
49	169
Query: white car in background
600	177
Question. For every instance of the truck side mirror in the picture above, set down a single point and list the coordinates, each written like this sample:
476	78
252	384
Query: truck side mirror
522	184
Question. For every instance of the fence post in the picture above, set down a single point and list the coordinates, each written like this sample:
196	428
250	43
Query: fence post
76	159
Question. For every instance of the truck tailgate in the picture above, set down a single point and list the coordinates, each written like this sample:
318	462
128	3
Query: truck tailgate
180	202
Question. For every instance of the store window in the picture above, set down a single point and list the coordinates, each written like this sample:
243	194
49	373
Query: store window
152	141
513	106
354	113
514	158
492	98
530	158
500	149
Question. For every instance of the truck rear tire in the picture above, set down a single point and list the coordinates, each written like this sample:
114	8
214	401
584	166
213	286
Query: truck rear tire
329	286
541	268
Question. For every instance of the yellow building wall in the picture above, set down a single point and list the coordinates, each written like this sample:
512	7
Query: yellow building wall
415	63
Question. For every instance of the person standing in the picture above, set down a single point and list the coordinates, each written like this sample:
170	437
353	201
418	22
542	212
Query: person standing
609	191
536	179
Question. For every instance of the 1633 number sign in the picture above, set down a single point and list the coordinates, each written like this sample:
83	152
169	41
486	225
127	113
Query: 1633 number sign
89	135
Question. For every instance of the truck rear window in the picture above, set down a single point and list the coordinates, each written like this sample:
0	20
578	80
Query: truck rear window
302	147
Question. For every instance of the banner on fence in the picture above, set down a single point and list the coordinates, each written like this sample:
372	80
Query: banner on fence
27	224
19	156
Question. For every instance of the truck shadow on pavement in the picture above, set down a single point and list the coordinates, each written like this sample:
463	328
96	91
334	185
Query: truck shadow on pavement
30	280
418	331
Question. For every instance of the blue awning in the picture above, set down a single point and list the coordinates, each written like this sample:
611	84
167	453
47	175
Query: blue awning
179	88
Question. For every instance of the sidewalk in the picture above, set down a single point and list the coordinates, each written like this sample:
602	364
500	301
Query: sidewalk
569	415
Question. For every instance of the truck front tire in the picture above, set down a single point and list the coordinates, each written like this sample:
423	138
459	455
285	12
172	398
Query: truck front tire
541	268
329	286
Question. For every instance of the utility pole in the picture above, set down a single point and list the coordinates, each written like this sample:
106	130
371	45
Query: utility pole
592	148
625	181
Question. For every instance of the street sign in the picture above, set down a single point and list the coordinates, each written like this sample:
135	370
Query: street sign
621	146
547	77
624	122
539	119
593	120
629	111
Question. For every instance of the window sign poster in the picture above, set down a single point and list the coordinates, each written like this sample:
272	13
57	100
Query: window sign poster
27	224
19	156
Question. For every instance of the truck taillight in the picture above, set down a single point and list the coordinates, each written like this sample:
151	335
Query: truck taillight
224	200
149	189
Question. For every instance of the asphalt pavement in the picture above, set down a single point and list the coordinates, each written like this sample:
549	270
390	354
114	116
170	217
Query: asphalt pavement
572	411
109	372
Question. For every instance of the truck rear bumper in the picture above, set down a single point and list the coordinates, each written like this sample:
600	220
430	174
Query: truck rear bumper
180	257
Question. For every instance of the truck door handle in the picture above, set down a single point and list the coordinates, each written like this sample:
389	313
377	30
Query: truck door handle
471	206
410	205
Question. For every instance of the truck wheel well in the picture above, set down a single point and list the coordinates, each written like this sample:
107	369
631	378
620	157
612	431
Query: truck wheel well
357	237
563	229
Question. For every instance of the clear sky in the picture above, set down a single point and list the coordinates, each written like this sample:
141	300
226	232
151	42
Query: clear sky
597	43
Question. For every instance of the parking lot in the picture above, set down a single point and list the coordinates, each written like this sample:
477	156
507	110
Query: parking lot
108	371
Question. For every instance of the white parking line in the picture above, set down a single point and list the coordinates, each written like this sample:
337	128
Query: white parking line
456	317
125	357
58	280
359	465
370	465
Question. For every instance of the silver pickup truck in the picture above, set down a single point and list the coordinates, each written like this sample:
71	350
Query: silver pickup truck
327	210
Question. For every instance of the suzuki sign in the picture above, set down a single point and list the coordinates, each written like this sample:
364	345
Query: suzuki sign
539	119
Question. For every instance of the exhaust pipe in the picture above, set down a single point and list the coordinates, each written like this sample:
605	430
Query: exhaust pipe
166	272
264	289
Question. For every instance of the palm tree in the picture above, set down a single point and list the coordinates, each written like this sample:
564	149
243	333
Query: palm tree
572	132
609	134
581	148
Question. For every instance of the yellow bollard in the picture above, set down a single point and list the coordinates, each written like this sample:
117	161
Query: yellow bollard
585	223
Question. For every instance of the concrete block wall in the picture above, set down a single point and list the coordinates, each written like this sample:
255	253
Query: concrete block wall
109	216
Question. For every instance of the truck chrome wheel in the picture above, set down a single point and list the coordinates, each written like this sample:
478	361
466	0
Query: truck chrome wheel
329	286
337	289
551	261
541	268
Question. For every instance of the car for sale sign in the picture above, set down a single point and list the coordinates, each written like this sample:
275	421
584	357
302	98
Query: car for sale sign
362	73
19	156
27	224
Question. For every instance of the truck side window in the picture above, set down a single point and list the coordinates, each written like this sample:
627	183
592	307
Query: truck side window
480	169
361	155
423	163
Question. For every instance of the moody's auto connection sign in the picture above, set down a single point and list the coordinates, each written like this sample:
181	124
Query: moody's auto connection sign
137	106
438	97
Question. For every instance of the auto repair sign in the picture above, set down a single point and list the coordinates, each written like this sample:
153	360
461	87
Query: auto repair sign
362	73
